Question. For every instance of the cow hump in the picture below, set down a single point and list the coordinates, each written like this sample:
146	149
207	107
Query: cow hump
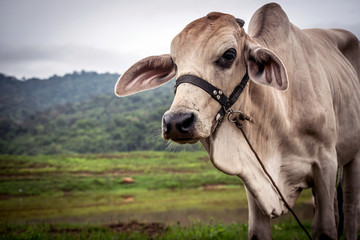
269	22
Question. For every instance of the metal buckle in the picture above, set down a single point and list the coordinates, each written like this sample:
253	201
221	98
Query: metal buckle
237	117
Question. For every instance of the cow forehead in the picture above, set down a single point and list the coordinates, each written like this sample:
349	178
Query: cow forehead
210	22
215	27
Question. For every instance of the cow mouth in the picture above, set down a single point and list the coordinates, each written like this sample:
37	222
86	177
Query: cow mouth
185	141
181	140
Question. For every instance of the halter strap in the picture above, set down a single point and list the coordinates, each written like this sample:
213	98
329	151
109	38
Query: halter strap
214	92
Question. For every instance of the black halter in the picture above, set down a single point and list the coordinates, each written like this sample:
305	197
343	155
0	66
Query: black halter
214	92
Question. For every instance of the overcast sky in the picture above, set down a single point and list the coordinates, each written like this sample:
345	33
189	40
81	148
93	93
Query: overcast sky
40	38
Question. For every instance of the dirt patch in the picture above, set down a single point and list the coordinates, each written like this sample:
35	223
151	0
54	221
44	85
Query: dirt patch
98	156
127	180
39	165
77	173
177	171
9	196
105	173
16	176
6	196
64	230
150	229
128	198
213	186
109	156
204	159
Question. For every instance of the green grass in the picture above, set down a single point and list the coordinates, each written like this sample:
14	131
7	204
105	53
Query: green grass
66	187
135	230
140	162
40	193
24	175
72	206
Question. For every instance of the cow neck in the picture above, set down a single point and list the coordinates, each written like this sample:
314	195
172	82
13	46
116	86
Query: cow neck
237	117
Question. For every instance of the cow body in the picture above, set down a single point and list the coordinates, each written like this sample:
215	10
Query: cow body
304	95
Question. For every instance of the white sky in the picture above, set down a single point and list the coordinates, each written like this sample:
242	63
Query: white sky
40	38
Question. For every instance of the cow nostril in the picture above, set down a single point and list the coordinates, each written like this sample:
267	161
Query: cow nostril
177	125
166	126
185	123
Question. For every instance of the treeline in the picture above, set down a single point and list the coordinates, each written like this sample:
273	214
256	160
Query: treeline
18	99
100	123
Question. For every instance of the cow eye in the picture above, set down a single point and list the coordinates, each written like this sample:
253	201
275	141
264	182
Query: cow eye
227	58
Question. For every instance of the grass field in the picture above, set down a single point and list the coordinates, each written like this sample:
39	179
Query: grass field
135	230
175	195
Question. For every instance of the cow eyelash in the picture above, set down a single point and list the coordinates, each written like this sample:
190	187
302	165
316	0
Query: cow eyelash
226	60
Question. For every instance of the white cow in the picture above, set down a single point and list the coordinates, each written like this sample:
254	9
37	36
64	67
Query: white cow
303	93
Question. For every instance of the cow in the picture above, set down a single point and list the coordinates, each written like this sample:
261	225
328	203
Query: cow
299	104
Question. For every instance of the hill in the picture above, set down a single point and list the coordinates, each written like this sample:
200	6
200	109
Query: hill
79	113
20	98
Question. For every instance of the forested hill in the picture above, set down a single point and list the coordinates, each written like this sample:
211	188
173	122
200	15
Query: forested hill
79	113
19	98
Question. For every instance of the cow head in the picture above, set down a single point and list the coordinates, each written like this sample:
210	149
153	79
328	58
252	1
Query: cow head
216	49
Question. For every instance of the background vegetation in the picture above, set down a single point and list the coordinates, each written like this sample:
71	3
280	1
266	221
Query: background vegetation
79	113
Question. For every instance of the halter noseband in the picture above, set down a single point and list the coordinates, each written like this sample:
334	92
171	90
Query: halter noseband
215	93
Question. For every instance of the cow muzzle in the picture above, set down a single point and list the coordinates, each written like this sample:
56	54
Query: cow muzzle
179	127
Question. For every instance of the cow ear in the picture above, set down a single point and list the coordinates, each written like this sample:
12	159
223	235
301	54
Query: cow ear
148	73
265	68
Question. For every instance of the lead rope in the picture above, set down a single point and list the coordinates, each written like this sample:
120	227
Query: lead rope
243	117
